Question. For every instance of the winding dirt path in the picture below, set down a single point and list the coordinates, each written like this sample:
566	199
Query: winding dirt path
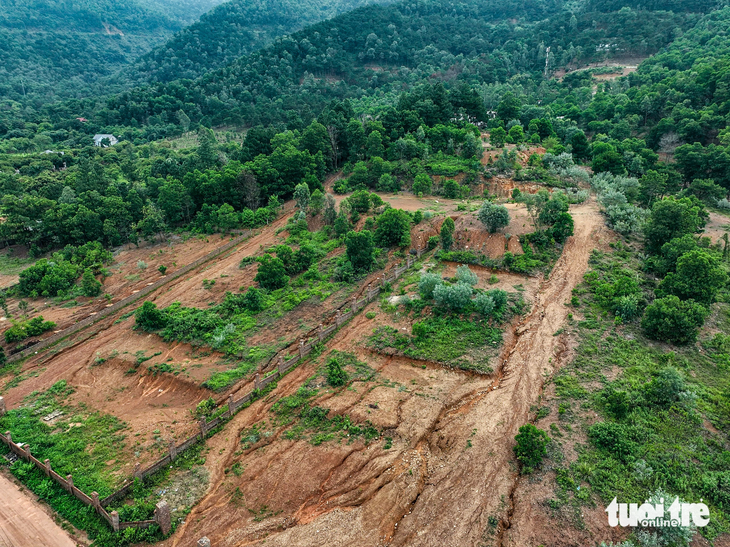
23	522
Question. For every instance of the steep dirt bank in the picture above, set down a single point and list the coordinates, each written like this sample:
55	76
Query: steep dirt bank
449	469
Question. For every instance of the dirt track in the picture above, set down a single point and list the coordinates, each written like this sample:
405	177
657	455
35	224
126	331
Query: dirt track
450	467
24	523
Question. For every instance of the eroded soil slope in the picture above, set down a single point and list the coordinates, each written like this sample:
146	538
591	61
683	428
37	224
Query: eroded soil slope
448	477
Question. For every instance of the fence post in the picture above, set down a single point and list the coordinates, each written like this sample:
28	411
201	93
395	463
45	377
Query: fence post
257	381
70	483
3	409
162	516
320	332
8	436
95	500
204	427
301	347
281	365
115	520
354	304
137	469
173	450
47	465
230	405
27	451
338	318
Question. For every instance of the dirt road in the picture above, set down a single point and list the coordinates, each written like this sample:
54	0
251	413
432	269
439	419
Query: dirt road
24	523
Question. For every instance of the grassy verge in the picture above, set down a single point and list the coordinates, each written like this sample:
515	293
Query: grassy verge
662	411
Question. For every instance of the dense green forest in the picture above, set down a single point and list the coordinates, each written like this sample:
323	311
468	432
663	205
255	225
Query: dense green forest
54	49
402	45
233	29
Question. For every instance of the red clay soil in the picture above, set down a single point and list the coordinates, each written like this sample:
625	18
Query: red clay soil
25	523
450	465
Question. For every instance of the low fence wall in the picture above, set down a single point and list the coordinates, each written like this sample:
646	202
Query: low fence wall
162	511
283	363
76	327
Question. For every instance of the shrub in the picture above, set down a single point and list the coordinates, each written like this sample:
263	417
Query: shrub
563	228
360	201
666	388
699	276
422	184
500	299
417	217
253	300
336	374
341	186
493	216
393	229
387	183
614	438
360	250
433	242
453	297
148	317
89	284
465	275
271	274
672	218
531	447
162	269
302	196
484	305
428	283
141	264
47	278
673	320
28	329
447	233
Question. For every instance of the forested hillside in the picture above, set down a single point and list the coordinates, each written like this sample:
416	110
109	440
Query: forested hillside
53	49
233	29
400	46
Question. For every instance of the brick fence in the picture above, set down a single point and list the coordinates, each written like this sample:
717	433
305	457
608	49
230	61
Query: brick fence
272	371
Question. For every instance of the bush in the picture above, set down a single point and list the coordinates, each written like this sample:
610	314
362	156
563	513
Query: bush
563	228
484	305
531	447
47	278
666	388
465	275
427	284
89	284
253	300
28	329
453	297
360	201
493	216
672	218
698	276
271	274
149	318
336	375
422	184
360	250
614	438
417	217
447	233
673	320
387	183
162	269
433	242
393	229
